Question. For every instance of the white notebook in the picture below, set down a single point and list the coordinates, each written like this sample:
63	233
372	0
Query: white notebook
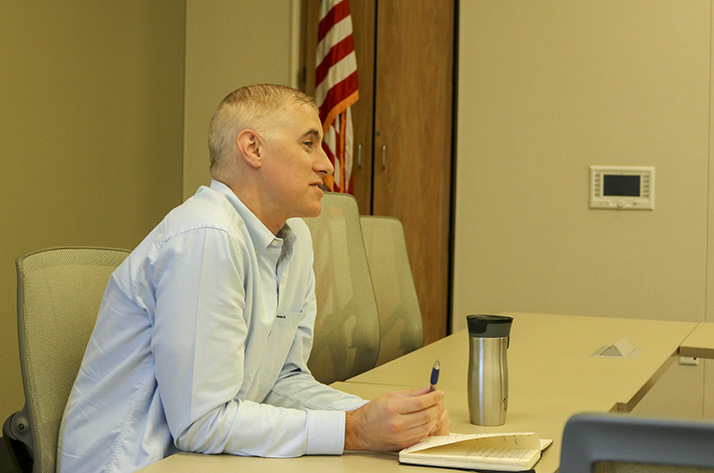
498	452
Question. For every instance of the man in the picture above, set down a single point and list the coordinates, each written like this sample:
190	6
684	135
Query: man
204	332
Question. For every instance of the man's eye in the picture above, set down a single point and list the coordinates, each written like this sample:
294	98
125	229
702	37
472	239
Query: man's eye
308	144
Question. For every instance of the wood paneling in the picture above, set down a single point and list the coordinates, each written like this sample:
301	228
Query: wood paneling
413	129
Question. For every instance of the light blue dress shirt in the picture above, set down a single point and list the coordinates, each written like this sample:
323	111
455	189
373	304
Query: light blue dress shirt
201	344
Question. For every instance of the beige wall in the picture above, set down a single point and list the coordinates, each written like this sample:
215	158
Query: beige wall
91	95
229	44
547	89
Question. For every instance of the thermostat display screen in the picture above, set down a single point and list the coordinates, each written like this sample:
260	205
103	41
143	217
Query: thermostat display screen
619	185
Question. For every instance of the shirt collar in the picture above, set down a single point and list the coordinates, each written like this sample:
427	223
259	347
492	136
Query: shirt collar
259	233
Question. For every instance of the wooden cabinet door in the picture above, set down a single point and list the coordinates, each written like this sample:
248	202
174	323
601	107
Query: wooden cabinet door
412	141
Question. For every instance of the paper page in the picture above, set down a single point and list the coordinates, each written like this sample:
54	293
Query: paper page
459	441
482	452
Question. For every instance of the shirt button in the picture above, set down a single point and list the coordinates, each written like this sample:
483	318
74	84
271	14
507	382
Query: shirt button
275	243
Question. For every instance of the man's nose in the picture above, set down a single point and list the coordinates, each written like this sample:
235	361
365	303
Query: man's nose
324	164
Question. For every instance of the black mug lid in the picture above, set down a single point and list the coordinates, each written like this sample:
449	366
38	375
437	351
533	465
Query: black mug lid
489	326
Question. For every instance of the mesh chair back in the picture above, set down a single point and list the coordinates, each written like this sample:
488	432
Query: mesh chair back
59	293
618	443
401	329
346	341
622	467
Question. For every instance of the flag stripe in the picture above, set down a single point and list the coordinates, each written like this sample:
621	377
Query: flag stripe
331	112
328	144
336	88
337	53
337	74
343	125
336	34
335	15
349	147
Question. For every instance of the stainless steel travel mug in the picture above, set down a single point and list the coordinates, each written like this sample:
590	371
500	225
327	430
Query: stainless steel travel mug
489	337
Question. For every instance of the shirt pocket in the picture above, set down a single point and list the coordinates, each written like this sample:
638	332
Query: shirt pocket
280	339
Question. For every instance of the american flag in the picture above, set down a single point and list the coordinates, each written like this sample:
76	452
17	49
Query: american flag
336	88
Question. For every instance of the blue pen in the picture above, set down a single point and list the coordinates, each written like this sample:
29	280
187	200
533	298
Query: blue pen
434	376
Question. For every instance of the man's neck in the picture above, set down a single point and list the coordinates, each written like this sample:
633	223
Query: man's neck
251	198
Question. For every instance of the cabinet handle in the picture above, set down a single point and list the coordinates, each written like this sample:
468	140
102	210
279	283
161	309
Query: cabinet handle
359	156
384	157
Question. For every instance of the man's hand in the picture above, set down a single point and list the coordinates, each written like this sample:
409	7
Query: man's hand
397	420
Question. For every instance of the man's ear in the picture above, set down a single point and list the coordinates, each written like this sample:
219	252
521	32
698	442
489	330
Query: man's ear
250	146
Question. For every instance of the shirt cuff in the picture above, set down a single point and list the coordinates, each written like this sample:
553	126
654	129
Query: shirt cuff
325	432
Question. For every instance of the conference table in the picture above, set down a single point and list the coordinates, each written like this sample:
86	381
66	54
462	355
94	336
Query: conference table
555	370
699	343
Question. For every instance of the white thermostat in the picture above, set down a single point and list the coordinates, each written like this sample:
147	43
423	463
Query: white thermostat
622	187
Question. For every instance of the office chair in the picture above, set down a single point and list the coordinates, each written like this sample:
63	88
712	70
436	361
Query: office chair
59	291
621	443
346	341
401	329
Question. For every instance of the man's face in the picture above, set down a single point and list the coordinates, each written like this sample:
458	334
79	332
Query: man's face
294	164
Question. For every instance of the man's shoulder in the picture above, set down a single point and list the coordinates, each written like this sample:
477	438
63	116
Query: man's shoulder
205	209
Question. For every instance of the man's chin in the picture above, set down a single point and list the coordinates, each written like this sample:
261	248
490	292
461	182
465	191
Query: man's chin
313	211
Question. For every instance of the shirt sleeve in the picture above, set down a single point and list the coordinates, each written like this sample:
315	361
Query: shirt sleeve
295	386
198	343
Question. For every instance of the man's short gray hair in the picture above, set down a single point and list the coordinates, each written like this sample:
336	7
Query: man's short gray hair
253	107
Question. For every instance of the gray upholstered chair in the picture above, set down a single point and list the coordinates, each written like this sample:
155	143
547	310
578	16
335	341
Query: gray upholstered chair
346	341
401	329
621	443
59	291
